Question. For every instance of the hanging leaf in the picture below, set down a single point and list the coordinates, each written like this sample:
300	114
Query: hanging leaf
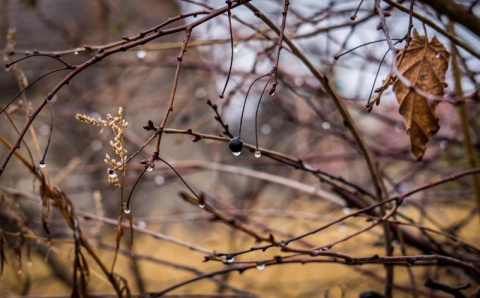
424	64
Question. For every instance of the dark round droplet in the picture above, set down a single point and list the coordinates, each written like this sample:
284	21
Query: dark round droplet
236	144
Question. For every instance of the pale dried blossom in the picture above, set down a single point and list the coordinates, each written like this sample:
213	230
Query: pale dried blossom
118	126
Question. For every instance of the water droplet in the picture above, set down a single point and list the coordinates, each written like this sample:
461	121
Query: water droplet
201	92
437	55
399	128
236	145
443	145
272	93
149	169
230	259
298	81
235	49
326	125
142	224
159	180
75	53
201	206
347	210
42	164
258	153
127	210
266	129
96	145
44	130
111	173
141	54
261	266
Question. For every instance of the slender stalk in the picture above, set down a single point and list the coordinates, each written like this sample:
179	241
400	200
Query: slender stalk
174	85
465	126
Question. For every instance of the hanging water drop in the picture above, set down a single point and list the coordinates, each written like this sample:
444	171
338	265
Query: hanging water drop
261	266
347	210
75	53
42	164
201	205
437	55
230	259
141	54
236	145
111	173
127	210
150	168
258	153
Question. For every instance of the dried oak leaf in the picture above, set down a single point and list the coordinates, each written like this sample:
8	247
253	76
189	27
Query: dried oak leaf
424	64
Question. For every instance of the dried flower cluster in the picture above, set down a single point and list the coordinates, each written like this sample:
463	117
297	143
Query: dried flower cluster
118	126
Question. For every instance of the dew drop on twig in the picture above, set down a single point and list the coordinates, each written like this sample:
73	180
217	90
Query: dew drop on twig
261	266
201	206
236	145
150	169
230	259
258	153
42	164
127	210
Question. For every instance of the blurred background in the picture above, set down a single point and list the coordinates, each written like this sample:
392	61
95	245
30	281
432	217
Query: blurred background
172	236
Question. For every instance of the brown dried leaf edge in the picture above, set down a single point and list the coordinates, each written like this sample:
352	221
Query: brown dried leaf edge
424	64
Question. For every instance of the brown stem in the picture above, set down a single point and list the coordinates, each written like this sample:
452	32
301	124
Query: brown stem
280	43
465	126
